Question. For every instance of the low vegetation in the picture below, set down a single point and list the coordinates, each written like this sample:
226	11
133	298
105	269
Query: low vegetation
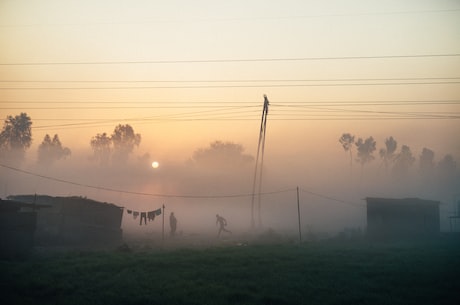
323	272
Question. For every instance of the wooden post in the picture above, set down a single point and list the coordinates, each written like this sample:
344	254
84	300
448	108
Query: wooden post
163	225
298	213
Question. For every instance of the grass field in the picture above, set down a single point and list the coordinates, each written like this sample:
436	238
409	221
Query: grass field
323	272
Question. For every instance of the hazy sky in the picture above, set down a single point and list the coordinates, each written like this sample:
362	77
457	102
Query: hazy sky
185	73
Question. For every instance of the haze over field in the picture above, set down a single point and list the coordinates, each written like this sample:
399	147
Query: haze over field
186	74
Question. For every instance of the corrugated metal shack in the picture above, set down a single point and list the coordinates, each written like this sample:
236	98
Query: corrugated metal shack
402	218
75	221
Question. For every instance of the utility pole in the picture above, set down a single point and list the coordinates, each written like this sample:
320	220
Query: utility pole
298	213
163	226
258	171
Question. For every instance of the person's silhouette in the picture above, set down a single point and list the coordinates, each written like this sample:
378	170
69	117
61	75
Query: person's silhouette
173	223
222	224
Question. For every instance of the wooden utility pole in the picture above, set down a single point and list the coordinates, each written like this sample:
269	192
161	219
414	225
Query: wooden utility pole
298	213
258	171
163	225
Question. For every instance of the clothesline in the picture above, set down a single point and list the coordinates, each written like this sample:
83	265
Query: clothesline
150	215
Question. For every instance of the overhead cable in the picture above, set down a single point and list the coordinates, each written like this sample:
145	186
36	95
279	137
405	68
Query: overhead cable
192	61
239	86
139	193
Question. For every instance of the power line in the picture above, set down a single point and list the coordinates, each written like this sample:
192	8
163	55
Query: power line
114	107
100	120
232	60
217	106
216	115
293	111
363	118
242	119
235	86
138	193
224	104
173	195
233	80
242	114
370	103
233	19
331	198
190	103
406	113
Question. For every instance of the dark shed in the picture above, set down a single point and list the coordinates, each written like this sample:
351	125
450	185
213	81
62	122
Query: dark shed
17	228
75	220
402	218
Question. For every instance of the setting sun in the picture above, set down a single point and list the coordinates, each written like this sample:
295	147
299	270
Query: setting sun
155	164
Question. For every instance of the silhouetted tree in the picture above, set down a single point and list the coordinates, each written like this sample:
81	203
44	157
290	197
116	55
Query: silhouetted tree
124	140
347	140
403	161
222	154
51	150
447	167
117	147
101	145
365	150
388	153
426	162
16	137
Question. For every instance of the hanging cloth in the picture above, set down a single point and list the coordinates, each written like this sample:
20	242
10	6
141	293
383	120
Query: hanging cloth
144	217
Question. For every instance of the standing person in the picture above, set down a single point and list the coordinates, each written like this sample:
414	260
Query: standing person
222	224
173	223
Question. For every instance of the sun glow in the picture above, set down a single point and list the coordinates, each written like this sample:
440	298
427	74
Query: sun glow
155	164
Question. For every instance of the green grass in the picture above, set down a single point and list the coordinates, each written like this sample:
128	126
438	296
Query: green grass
311	273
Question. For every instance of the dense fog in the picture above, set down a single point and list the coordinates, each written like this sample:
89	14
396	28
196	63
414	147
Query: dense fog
219	179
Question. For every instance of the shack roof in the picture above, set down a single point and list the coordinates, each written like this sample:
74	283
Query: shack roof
15	206
52	201
402	201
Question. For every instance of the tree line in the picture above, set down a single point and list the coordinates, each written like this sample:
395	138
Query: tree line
16	139
116	147
107	149
396	162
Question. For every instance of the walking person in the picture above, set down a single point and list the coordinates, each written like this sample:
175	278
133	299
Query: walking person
173	223
222	222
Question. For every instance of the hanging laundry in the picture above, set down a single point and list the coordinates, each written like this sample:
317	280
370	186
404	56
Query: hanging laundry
144	217
158	212
151	215
135	214
129	211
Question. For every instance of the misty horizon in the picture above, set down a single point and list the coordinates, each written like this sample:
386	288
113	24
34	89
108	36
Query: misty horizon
111	88
332	194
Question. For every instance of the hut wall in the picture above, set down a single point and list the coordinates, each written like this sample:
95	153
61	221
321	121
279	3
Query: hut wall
76	220
17	233
402	218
